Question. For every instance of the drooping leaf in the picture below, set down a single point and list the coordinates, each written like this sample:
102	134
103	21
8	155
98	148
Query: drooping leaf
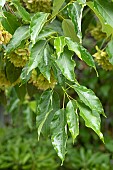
28	117
12	72
43	110
89	98
69	30
55	106
75	13
45	63
36	25
81	52
58	133
59	44
56	26
20	34
72	119
105	26
22	12
21	91
109	51
91	118
57	4
36	55
66	64
7	21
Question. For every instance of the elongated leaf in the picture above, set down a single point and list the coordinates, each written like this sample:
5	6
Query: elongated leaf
105	9
81	52
36	55
24	77
57	4
44	109
23	13
2	3
20	34
75	13
109	50
69	30
21	91
105	26
37	24
58	131
72	119
7	21
28	117
45	63
59	44
89	98
55	106
91	118
66	64
46	32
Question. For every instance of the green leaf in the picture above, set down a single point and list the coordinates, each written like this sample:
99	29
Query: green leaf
105	9
45	63
21	91
75	13
44	109
89	98
109	51
55	106
2	3
58	133
69	30
46	32
37	23
72	119
24	77
12	72
28	117
81	52
59	44
36	54
57	4
105	26
21	10
7	21
20	34
91	118
66	64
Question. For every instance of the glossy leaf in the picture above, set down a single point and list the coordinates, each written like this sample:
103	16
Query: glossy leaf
91	118
57	4
58	133
21	10
20	34
36	25
89	98
69	30
75	13
81	52
46	32
36	55
105	26
72	119
45	62
59	44
43	110
66	64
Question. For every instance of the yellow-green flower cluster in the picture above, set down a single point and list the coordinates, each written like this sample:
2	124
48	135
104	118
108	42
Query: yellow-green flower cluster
102	58
41	82
38	5
5	36
19	57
